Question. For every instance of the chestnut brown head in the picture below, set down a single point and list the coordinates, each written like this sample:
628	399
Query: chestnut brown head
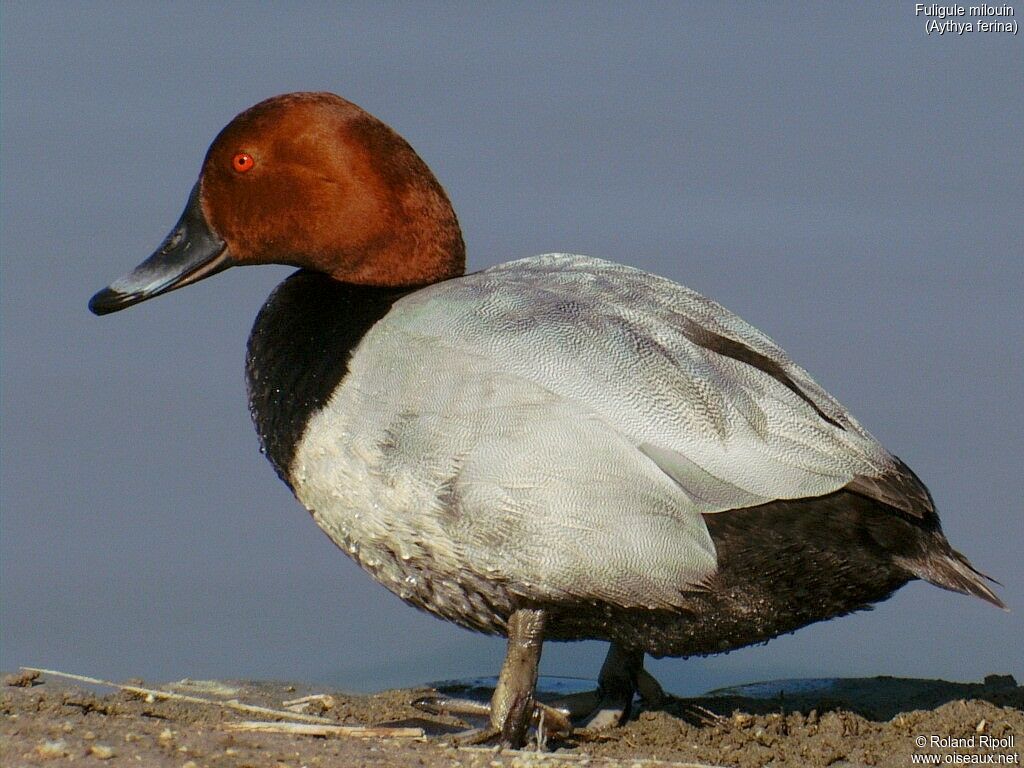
311	180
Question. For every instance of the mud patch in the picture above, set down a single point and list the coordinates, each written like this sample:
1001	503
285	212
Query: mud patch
852	722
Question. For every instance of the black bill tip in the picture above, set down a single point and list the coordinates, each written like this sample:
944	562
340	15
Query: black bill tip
191	252
107	301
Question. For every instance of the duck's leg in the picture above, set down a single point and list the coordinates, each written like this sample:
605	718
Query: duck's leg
513	706
616	685
650	690
622	675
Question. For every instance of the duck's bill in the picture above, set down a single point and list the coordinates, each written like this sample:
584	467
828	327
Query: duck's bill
190	253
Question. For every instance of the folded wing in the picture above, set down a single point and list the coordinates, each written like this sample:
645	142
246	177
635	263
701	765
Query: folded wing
712	401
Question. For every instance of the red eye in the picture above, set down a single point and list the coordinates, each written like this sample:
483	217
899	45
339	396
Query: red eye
242	162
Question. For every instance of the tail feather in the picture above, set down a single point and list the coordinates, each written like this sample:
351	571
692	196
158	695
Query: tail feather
951	570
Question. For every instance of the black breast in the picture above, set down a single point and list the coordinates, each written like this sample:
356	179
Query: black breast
298	353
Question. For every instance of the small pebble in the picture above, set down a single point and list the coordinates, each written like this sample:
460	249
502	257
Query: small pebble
742	719
190	764
166	735
49	750
88	735
102	751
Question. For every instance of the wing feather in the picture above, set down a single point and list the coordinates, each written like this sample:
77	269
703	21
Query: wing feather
706	393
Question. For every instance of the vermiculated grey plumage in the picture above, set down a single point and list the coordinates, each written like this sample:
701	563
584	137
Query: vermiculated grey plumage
576	435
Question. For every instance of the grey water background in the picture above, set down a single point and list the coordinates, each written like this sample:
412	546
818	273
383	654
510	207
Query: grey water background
838	178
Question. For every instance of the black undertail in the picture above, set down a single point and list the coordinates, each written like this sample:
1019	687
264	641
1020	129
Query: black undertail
782	566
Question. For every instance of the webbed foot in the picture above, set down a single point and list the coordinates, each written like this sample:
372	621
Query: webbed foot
546	719
622	677
513	708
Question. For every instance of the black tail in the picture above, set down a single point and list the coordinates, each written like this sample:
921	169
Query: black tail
945	567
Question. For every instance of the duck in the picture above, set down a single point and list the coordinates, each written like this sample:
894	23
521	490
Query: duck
557	448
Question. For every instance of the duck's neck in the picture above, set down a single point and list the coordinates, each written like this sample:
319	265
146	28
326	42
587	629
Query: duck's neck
410	256
299	351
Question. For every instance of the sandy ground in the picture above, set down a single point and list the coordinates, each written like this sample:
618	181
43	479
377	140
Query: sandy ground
874	721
